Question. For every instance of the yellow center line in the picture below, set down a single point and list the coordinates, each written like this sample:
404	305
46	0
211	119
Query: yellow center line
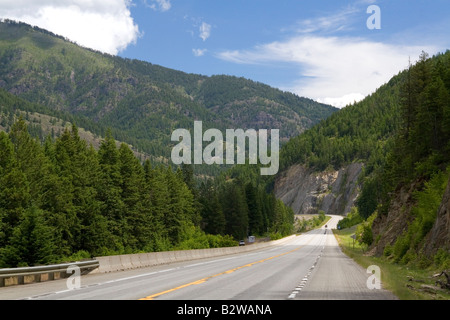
216	275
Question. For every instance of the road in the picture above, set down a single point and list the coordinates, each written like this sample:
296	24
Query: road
308	266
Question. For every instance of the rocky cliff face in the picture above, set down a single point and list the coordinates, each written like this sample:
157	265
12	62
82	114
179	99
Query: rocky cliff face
387	228
307	192
439	236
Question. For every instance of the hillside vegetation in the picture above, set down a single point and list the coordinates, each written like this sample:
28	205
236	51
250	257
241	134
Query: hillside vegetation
64	200
418	162
401	133
74	191
140	102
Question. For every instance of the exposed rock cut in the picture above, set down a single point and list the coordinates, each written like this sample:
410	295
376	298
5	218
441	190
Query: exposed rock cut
308	192
439	236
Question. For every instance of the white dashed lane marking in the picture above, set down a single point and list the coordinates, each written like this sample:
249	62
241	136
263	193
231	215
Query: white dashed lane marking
304	280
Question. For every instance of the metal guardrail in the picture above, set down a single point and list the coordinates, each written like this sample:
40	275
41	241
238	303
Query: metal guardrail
23	275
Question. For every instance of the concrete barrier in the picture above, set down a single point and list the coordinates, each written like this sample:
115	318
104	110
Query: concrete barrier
134	261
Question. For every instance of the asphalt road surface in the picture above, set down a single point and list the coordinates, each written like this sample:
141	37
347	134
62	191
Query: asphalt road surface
308	266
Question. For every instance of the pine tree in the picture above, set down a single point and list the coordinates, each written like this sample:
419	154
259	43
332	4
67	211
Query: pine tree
181	211
109	191
30	159
14	191
77	165
136	212
213	218
283	219
254	210
32	242
157	189
236	211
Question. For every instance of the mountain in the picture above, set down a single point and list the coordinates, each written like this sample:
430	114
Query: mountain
387	156
140	102
321	169
87	188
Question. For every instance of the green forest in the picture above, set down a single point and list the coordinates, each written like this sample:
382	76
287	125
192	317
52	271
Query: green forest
418	158
401	133
62	200
420	148
141	103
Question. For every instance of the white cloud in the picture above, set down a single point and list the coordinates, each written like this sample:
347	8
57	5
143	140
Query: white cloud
334	22
335	70
343	101
104	25
199	52
205	31
332	69
161	5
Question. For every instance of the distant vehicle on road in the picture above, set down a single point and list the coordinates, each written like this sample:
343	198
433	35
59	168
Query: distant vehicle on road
242	243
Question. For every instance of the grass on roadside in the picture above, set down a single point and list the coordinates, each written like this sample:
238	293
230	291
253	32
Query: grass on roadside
309	222
407	282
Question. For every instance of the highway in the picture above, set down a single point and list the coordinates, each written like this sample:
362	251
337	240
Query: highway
308	266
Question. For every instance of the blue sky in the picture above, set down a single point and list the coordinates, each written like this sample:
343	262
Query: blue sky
320	49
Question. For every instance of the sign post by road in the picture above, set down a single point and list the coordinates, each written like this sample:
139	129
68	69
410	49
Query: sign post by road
353	236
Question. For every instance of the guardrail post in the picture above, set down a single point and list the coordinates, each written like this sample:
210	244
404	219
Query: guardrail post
24	275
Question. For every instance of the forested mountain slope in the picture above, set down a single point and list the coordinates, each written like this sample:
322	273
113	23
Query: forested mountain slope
322	168
142	103
61	199
410	188
401	136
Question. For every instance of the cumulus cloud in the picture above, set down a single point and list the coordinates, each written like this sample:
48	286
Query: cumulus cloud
205	31
104	25
333	70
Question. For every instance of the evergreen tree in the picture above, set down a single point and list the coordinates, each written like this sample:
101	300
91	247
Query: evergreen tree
158	191
367	201
31	243
235	210
14	191
136	212
30	159
78	166
182	211
283	219
64	198
255	217
109	192
213	218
